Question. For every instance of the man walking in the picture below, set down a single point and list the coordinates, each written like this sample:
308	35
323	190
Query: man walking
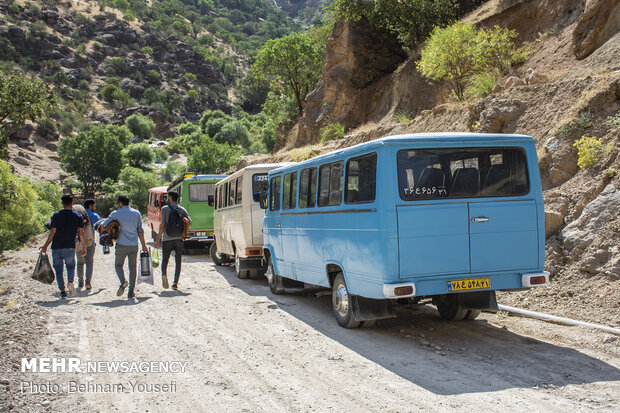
89	258
130	221
171	214
65	225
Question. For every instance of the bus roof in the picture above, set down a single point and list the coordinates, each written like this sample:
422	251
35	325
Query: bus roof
159	189
439	137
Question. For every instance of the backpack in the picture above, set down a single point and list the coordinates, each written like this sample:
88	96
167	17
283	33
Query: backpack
174	226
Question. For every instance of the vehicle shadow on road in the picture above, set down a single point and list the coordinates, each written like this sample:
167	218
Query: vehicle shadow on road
446	358
172	293
57	302
122	302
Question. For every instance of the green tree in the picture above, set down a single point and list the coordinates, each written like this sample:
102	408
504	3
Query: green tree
138	155
173	170
21	99
411	20
293	65
215	125
188	128
135	183
140	125
233	133
94	155
212	157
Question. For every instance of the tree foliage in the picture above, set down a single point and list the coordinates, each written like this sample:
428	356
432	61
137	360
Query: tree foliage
94	155
140	126
212	157
138	155
21	99
292	64
458	53
233	133
135	183
411	20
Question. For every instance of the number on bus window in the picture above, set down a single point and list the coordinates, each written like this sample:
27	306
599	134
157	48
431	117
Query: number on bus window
239	193
274	194
307	188
361	179
259	184
289	193
330	184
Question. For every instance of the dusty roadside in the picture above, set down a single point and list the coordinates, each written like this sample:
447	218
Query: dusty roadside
248	350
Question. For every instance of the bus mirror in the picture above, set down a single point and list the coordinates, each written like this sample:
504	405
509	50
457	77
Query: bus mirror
263	200
211	200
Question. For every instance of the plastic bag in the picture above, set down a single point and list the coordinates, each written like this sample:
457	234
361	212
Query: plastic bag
147	275
155	258
43	270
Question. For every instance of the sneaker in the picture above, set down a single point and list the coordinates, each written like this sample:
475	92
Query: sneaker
63	294
175	286
121	289
164	281
131	294
88	286
81	284
71	290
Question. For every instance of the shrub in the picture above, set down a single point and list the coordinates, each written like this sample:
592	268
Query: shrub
60	78
13	8
212	157
7	50
38	29
84	85
147	50
482	84
192	93
173	170
577	125
129	16
46	126
613	122
154	75
117	65
140	126
590	151
268	136
215	125
191	77
403	119
331	131
233	133
188	128
138	155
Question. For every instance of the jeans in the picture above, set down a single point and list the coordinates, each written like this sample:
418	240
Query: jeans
167	247
88	260
131	253
66	257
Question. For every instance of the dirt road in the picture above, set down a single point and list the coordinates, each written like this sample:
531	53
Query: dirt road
249	350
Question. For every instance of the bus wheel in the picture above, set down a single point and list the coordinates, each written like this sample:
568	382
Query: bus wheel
275	281
216	257
472	314
449	308
240	273
341	304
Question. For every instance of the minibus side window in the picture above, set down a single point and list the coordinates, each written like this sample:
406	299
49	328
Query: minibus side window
289	192
225	196
217	190
361	181
330	184
239	190
231	192
307	188
274	194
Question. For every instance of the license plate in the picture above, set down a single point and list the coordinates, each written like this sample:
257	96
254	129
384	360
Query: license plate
473	284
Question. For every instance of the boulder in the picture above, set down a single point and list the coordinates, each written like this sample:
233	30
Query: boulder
21	160
581	232
107	39
513	81
24	133
51	146
532	77
553	222
499	112
50	16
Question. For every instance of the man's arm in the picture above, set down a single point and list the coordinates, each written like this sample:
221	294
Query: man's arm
49	240
141	232
109	219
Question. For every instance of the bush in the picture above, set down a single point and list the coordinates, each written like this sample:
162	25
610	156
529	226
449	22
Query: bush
147	50
215	125
140	126
482	84
233	133
613	122
188	128
268	136
172	171
192	93
191	77
46	126
403	119
590	151
212	157
154	75
331	131
60	78
138	155
577	125
117	65
13	8
38	29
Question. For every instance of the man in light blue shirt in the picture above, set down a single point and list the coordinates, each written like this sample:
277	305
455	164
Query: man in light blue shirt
130	221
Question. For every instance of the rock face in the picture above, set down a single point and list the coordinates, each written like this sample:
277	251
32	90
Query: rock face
498	113
357	56
598	23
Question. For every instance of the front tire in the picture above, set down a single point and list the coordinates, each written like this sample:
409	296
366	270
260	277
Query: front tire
449	307
216	257
275	281
341	304
472	314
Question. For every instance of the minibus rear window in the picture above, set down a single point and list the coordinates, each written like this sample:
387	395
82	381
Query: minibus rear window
461	173
289	193
200	192
330	184
259	184
307	188
274	194
361	179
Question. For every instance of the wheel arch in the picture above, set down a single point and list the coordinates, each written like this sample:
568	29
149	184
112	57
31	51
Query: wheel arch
332	269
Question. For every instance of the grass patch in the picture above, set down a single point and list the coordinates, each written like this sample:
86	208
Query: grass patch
403	119
332	131
579	124
305	153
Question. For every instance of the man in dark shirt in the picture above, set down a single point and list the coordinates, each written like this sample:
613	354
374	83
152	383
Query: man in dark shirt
66	224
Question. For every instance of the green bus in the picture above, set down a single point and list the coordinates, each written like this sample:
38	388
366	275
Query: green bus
197	196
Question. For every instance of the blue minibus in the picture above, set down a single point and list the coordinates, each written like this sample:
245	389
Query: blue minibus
448	218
